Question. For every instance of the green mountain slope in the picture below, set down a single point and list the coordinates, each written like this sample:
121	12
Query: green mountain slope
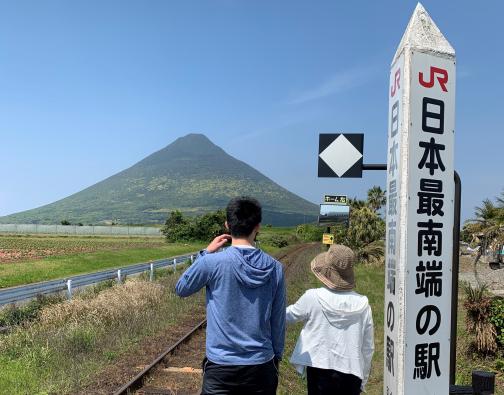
192	174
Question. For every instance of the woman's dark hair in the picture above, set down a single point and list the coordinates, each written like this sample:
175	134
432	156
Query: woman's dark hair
243	214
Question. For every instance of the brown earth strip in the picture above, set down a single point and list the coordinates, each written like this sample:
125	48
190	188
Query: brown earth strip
191	354
115	375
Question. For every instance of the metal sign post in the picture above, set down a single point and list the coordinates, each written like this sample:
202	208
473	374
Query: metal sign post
340	155
420	212
328	238
423	212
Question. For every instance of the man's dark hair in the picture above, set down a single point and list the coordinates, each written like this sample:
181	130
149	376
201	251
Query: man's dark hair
243	214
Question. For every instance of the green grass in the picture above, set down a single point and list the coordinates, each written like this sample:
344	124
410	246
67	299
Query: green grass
70	342
25	272
277	230
28	259
467	357
370	282
31	360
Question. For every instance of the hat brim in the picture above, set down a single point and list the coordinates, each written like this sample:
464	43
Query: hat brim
342	280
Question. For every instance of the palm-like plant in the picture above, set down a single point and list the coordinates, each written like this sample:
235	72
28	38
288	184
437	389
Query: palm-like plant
372	252
356	204
376	198
500	201
365	234
487	226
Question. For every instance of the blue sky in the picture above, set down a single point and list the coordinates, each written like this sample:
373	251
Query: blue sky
88	88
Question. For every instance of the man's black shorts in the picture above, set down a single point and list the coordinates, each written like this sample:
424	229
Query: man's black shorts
240	379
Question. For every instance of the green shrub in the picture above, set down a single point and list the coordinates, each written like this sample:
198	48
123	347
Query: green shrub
80	339
209	226
365	228
279	241
12	315
478	305
203	228
177	228
307	232
497	319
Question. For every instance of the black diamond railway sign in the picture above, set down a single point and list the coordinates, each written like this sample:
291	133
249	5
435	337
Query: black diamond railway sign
340	155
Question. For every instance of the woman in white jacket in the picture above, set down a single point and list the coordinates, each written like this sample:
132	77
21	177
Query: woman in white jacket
336	343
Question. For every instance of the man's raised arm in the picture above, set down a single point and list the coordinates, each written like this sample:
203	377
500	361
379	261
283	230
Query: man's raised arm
198	274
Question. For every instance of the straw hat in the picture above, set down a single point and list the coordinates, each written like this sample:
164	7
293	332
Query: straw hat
335	268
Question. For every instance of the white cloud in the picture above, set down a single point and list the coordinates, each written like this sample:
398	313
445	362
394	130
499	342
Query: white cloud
340	82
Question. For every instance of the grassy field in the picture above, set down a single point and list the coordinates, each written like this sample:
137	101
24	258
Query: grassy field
26	259
82	336
370	282
46	258
26	355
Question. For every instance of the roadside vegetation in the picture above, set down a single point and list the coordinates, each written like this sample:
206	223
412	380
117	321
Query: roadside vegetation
82	336
485	231
480	335
370	282
104	323
70	256
480	340
365	233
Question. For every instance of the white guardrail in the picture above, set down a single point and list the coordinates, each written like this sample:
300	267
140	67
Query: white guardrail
24	292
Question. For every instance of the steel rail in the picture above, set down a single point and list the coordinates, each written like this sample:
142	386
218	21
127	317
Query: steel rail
137	381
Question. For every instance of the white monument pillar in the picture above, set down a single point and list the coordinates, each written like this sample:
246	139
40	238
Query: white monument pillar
420	194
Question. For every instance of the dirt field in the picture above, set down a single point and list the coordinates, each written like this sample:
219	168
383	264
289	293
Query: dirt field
21	248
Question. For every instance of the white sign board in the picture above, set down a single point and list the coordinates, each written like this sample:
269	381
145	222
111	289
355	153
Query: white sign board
394	327
420	193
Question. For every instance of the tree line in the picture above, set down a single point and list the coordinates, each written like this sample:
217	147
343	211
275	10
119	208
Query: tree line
365	233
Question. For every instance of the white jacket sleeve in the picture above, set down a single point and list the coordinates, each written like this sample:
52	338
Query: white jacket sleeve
367	346
300	311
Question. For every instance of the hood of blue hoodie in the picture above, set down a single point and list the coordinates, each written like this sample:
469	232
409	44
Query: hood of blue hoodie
251	267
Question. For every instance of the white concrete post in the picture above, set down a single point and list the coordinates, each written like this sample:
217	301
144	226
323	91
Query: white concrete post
174	265
151	275
119	276
420	204
192	259
69	289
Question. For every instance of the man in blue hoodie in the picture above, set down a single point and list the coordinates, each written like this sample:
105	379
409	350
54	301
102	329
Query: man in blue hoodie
245	300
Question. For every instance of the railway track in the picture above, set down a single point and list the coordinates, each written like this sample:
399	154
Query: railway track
177	370
138	381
